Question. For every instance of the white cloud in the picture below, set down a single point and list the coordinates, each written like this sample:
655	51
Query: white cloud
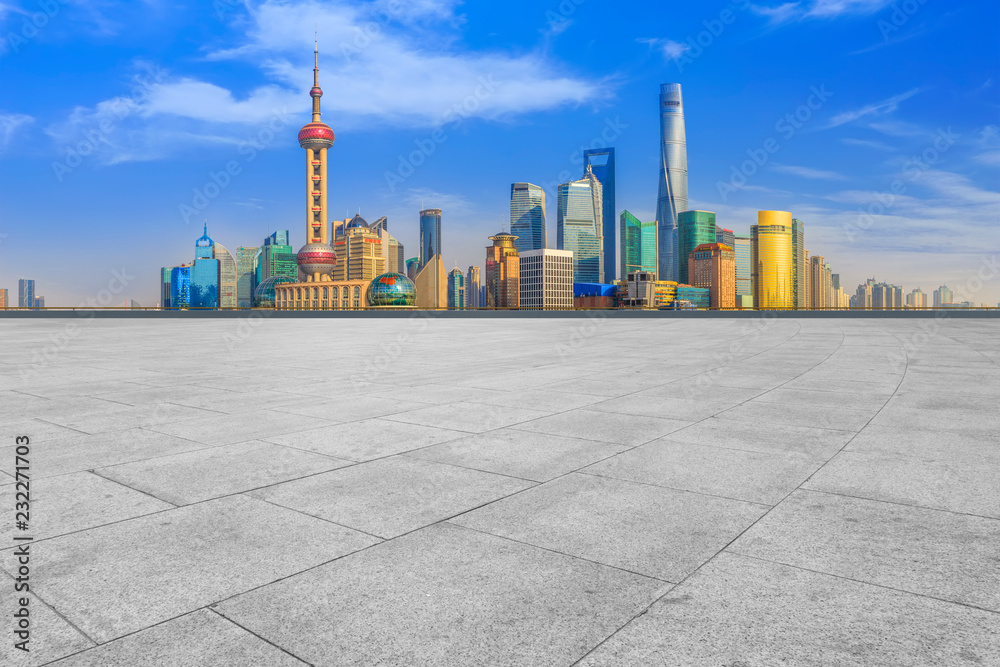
383	64
779	13
867	143
670	49
819	9
9	122
807	172
882	108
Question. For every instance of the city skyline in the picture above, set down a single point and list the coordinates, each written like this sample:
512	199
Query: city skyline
862	133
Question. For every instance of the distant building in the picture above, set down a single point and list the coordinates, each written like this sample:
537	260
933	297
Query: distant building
180	286
725	236
943	297
430	236
165	287
820	294
713	265
601	161
527	216
503	272
227	276
39	302
456	290
771	261
885	296
916	299
694	228
359	251
25	293
432	285
204	274
744	286
412	265
800	266
275	258
638	245
642	289
691	297
595	295
473	287
546	279
392	249
4	298
244	276
580	227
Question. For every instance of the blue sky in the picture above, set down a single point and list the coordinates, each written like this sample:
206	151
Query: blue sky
113	115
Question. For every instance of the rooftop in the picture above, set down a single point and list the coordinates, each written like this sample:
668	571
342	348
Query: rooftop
548	492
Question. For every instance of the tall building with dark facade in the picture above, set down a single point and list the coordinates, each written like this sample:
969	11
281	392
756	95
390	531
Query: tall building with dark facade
430	235
456	290
673	194
638	245
244	276
694	228
503	272
800	269
473	285
527	216
602	163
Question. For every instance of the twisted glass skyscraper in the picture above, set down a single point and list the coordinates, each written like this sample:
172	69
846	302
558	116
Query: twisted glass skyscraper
673	197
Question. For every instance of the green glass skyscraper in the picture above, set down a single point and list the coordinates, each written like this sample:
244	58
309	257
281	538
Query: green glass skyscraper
693	229
638	245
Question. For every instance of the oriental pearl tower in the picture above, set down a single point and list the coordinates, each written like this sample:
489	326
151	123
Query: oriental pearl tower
316	259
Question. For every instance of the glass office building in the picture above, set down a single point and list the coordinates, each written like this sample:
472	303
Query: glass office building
741	244
204	274
638	244
25	293
689	297
602	162
473	287
694	228
165	287
771	261
580	227
456	290
244	276
227	276
430	235
527	216
673	194
180	287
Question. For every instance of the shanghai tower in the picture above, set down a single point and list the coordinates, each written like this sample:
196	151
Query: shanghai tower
673	197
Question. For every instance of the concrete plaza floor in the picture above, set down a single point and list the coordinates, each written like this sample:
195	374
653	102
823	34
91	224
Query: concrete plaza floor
738	493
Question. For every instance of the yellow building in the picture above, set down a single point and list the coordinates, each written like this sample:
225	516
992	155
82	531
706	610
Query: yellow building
771	261
359	251
503	272
432	285
324	295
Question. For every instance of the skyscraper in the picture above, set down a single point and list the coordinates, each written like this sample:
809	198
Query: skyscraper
25	293
694	228
819	297
503	272
205	274
227	276
472	288
771	260
411	267
942	296
4	298
180	286
527	216
713	265
165	287
546	279
244	276
800	265
916	299
725	236
602	162
673	195
430	235
359	251
744	287
579	226
431	284
392	249
456	289
638	245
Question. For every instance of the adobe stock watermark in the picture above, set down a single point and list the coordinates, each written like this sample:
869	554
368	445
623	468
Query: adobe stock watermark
787	126
913	169
217	181
368	32
558	20
121	108
610	131
31	25
692	48
453	118
579	334
58	342
378	365
901	14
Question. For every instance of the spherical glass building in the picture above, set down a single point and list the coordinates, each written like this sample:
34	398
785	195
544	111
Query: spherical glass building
392	290
263	295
